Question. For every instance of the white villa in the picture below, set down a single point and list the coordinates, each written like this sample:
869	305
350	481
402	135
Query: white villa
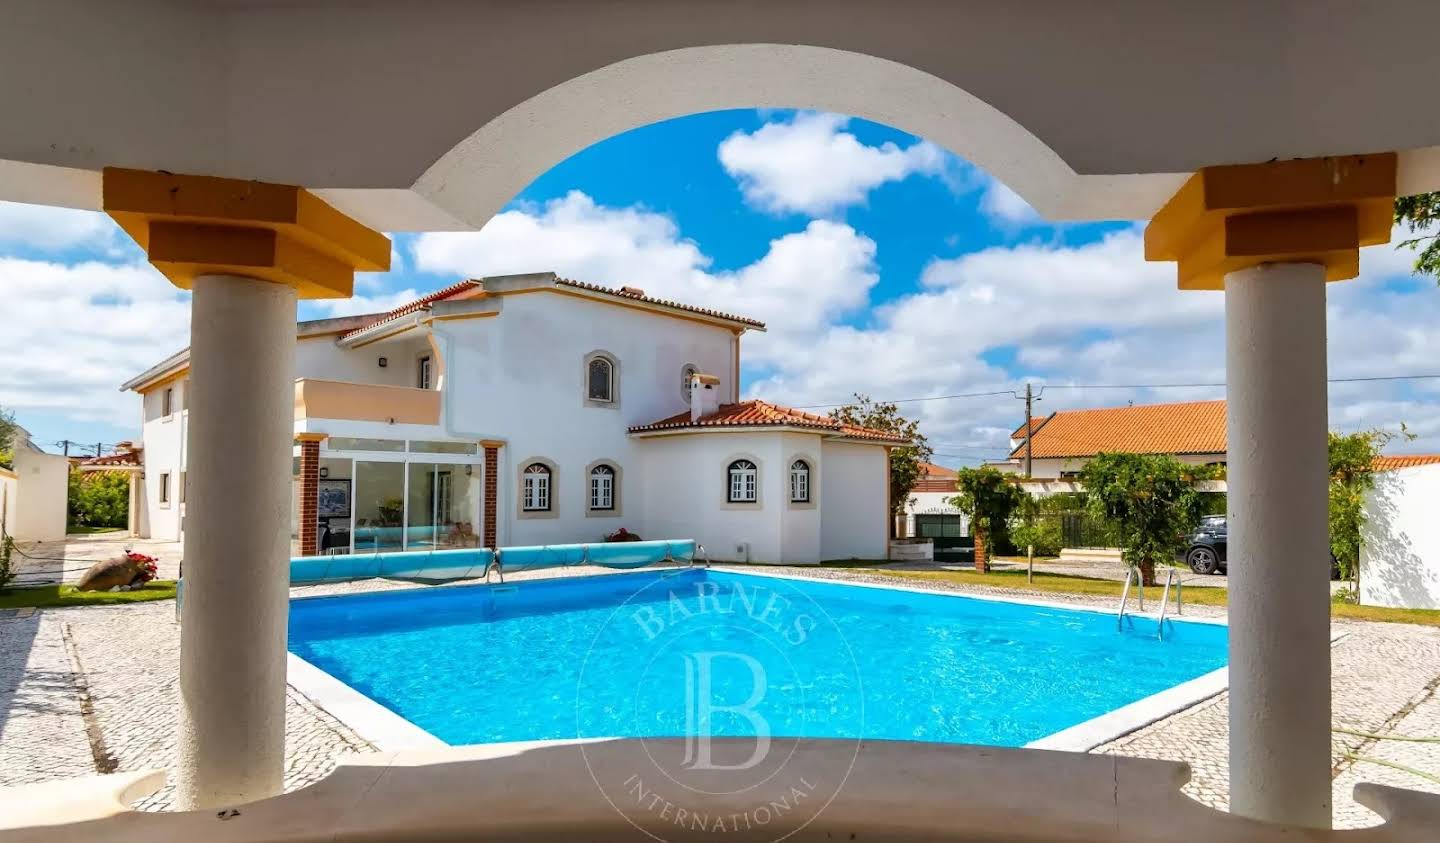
531	409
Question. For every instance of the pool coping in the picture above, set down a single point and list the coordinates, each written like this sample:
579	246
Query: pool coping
389	731
381	727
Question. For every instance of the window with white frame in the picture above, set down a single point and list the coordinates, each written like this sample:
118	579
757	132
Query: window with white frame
535	488
167	401
600	379
165	487
743	486
422	374
602	487
686	373
799	482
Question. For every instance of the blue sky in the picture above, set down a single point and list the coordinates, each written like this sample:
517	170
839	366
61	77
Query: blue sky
881	263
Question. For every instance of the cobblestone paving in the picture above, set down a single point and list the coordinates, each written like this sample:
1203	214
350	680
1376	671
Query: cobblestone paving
1380	673
41	731
1387	680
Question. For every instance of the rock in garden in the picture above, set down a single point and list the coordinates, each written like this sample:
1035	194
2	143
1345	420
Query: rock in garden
108	573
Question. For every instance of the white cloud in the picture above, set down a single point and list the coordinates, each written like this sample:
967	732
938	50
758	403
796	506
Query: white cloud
810	165
73	334
805	281
47	229
355	305
1005	206
1100	314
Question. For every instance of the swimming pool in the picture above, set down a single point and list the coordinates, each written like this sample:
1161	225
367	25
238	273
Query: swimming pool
669	653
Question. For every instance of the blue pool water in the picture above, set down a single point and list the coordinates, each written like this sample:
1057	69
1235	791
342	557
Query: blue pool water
634	655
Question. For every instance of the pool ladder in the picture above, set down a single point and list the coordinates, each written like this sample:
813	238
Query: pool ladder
1130	577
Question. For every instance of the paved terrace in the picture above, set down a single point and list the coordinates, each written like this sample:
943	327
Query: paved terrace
90	690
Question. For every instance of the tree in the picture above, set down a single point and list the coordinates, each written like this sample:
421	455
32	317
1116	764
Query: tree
1352	474
1150	500
7	438
1419	214
99	499
989	498
907	462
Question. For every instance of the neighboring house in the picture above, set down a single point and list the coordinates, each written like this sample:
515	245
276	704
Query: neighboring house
531	409
1064	441
33	493
1400	548
929	509
127	461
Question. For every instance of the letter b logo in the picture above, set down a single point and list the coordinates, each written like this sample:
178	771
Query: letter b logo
701	708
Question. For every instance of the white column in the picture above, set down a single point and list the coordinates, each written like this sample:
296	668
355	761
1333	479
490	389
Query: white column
237	542
133	522
1279	563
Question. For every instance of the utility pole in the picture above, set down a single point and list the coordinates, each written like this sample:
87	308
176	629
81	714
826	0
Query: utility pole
1029	465
65	443
1029	401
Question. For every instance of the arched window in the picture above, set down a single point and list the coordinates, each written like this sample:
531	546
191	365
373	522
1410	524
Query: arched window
600	380
744	486
602	487
686	372
799	482
535	491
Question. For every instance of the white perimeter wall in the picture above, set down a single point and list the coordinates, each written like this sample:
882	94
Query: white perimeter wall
854	520
1400	554
9	499
41	492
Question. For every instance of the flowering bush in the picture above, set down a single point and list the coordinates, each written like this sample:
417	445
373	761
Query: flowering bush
622	535
145	565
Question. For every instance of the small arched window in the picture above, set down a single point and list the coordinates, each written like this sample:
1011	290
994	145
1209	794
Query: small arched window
600	380
799	482
602	487
686	373
535	489
743	486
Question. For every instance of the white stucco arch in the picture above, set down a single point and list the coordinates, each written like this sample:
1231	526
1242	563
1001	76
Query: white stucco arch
484	171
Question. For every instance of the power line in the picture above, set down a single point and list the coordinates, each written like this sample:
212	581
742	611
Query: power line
1016	392
913	400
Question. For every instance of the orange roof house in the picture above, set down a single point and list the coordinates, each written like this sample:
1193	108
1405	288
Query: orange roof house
1190	428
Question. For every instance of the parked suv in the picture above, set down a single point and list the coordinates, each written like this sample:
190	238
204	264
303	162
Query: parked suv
1205	553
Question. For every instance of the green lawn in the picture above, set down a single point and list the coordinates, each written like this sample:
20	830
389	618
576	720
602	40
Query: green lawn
54	596
82	529
1068	584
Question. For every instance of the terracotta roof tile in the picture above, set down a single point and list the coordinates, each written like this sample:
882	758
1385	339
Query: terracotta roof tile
1035	422
463	289
637	294
757	413
1387	462
124	459
418	304
933	470
1192	427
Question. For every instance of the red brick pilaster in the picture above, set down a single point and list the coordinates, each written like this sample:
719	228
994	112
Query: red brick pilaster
982	549
309	490
492	488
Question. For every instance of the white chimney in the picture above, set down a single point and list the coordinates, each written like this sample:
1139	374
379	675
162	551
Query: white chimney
704	395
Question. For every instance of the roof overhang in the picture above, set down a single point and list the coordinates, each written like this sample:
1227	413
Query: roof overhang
828	435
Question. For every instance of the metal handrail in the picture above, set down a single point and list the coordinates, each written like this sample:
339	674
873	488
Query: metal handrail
1124	598
1165	602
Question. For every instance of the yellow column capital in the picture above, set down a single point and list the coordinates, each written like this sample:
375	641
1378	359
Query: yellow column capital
1306	210
311	437
204	225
